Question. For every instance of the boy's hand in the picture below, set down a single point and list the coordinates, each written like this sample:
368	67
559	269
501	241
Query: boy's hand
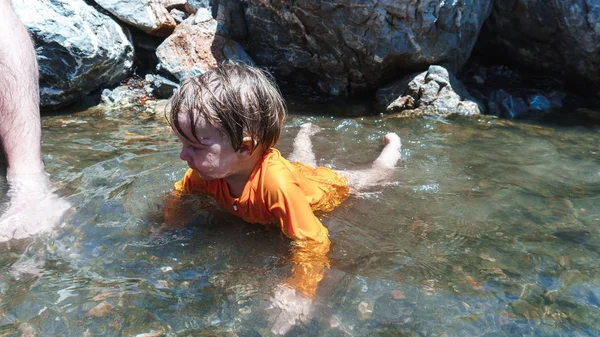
288	308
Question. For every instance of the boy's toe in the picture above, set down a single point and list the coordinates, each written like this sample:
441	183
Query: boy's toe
392	138
310	128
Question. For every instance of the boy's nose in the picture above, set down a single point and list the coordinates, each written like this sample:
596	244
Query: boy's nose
183	155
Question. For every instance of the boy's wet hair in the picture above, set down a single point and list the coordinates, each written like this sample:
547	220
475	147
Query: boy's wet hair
237	99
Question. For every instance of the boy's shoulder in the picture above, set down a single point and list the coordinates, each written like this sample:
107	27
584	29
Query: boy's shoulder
276	172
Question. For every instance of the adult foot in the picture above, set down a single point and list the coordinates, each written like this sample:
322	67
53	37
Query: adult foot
33	208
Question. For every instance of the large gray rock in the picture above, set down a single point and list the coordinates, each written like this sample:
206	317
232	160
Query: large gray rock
150	16
348	46
79	49
562	36
230	15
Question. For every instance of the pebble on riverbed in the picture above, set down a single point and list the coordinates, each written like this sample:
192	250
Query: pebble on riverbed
152	334
100	310
473	283
398	294
365	310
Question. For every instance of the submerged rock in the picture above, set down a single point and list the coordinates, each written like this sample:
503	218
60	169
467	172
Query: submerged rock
574	235
100	310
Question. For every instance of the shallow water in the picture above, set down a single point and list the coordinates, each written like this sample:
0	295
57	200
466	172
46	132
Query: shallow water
489	228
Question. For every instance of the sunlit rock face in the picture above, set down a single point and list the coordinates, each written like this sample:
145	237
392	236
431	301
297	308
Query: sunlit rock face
78	49
351	46
196	46
562	36
150	16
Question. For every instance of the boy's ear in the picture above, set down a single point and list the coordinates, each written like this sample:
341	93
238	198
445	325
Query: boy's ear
248	144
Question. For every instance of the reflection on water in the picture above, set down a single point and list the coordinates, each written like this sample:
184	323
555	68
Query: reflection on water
490	228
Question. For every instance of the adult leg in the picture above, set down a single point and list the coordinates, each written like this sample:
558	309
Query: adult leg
33	208
20	131
303	149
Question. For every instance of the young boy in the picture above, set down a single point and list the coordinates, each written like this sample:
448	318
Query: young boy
228	120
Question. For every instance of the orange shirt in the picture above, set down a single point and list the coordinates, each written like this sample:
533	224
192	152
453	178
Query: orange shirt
278	192
285	194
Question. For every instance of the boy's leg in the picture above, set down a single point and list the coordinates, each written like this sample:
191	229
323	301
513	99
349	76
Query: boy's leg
382	169
390	154
302	151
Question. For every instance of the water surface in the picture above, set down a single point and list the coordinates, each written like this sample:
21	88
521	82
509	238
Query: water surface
489	228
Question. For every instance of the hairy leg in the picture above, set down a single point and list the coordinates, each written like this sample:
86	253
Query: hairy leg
20	132
33	208
303	151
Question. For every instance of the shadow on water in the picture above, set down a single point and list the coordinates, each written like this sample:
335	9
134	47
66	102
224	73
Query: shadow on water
488	228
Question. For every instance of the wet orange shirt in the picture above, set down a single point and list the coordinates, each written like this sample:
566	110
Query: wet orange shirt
284	194
278	192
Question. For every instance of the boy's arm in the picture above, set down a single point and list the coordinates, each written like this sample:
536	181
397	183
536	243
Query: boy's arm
297	221
292	302
309	259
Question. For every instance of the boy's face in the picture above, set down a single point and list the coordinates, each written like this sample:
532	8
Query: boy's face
213	156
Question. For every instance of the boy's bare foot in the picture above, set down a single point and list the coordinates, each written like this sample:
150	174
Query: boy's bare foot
392	138
390	154
381	171
309	129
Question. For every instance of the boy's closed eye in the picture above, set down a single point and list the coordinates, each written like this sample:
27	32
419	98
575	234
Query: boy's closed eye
203	142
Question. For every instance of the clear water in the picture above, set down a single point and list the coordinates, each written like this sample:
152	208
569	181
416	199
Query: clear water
490	228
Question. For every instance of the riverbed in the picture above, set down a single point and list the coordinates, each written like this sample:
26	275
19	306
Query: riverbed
488	227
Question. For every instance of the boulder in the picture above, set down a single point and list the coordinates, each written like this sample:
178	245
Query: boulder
560	36
79	49
196	47
230	15
434	92
178	15
508	93
150	16
170	4
350	46
160	86
134	92
192	6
